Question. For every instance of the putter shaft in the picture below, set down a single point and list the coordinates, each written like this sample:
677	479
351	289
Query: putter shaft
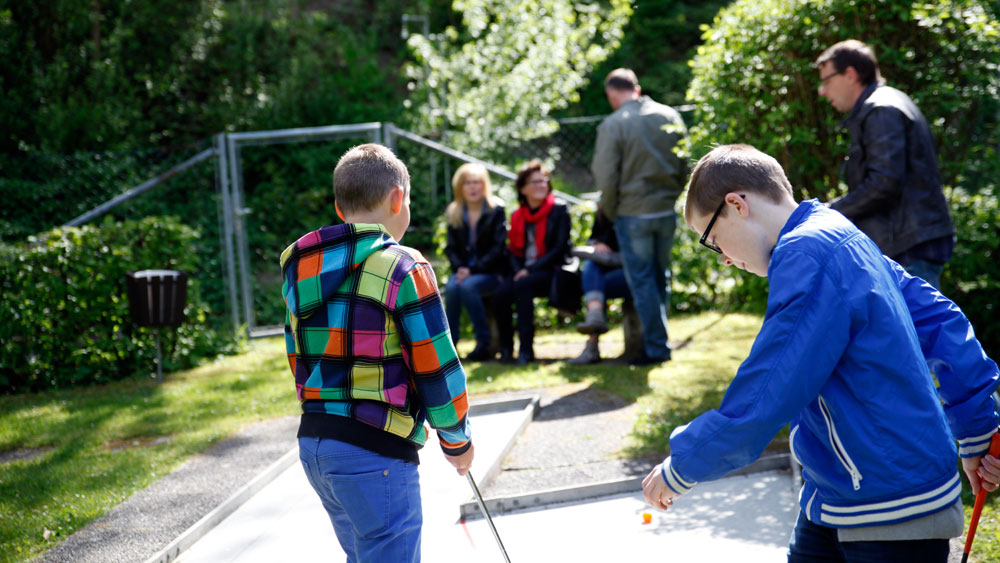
489	519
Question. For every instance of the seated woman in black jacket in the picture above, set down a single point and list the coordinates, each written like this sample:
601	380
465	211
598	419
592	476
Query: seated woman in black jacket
539	244
477	250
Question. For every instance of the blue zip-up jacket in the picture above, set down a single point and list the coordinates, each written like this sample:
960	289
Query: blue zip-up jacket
841	355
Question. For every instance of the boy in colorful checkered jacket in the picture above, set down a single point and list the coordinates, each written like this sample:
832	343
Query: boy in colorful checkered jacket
369	346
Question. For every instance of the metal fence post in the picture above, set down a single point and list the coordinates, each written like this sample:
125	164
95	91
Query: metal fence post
225	207
239	225
387	136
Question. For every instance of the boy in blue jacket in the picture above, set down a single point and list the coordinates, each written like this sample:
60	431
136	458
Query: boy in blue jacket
845	354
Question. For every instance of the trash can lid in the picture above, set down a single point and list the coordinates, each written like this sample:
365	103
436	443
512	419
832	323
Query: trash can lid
156	274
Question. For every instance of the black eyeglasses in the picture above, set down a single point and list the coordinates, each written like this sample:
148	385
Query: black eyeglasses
708	229
823	79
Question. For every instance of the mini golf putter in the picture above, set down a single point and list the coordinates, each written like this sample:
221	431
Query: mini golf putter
489	519
980	500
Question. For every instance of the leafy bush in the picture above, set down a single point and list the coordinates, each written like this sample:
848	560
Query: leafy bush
754	83
65	311
972	278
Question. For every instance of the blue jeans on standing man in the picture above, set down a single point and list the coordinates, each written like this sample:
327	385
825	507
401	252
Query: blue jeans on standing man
645	245
373	500
929	271
469	294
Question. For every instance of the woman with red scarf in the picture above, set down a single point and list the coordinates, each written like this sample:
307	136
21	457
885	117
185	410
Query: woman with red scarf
539	244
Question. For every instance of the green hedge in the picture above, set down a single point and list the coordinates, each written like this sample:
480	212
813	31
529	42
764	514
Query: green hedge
65	311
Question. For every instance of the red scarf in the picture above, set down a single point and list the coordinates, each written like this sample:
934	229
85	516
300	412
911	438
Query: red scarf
523	214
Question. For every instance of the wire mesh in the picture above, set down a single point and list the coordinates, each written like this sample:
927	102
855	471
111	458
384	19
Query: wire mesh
286	192
44	190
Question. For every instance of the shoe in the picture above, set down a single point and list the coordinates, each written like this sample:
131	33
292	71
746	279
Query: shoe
593	323
480	353
525	357
590	355
644	360
506	356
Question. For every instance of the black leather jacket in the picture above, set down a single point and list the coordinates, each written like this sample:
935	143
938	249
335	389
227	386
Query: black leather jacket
490	248
894	187
556	243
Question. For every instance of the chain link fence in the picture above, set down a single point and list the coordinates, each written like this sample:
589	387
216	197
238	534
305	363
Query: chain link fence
44	190
286	191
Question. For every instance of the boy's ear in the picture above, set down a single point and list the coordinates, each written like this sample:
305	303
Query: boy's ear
740	203
339	212
396	199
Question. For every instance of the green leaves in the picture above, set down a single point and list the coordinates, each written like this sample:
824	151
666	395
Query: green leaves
753	82
496	82
65	318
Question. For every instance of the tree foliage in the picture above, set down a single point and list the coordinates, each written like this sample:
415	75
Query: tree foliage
657	43
754	81
497	80
89	75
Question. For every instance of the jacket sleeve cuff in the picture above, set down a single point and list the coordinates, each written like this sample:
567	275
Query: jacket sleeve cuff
674	481
456	451
975	446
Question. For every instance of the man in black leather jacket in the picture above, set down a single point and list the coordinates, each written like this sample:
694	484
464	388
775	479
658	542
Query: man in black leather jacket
894	186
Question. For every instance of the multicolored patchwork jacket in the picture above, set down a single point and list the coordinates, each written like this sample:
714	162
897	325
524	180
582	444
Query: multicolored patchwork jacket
368	343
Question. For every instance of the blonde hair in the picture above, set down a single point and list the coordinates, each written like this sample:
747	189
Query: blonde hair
467	171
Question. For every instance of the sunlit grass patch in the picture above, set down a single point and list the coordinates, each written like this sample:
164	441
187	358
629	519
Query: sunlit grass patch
92	447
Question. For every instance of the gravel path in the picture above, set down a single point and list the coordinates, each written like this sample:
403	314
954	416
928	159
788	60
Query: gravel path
576	438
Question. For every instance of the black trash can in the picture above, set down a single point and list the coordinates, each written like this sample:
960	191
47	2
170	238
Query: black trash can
157	297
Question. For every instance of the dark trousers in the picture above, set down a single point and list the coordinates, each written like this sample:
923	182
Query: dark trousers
812	543
520	294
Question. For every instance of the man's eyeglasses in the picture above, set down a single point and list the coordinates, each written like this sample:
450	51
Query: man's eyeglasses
704	237
823	79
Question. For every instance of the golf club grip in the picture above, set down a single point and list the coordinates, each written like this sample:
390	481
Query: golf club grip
977	509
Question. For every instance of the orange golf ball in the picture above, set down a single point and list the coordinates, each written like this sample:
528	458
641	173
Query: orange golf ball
647	517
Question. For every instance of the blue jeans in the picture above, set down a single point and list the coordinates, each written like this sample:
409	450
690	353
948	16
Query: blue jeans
930	272
601	283
373	501
469	293
645	249
814	543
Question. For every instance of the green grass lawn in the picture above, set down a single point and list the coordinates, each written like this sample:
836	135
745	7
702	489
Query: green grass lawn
93	447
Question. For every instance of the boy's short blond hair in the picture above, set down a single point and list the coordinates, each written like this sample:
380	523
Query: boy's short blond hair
365	175
733	168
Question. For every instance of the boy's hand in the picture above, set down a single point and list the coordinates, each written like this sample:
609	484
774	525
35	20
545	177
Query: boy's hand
982	471
461	274
462	462
656	491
